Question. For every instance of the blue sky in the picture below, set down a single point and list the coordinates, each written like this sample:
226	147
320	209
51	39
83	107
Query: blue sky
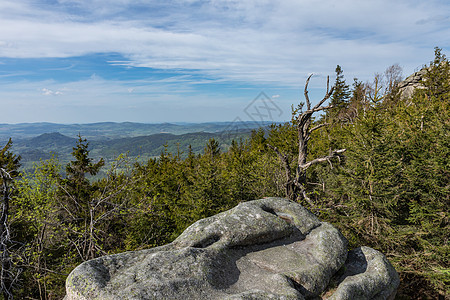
77	61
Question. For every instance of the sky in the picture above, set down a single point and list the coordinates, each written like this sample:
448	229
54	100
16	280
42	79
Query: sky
86	61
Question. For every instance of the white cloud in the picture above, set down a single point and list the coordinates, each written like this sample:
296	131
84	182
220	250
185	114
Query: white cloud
265	43
259	41
47	92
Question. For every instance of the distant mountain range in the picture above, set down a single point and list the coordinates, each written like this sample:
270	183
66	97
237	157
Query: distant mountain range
37	141
111	130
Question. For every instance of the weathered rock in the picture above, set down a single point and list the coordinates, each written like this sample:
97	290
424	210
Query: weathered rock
270	248
411	83
368	275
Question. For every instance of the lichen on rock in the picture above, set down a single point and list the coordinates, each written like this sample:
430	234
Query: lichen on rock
269	248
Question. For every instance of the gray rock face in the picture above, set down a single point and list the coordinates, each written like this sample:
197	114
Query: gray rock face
270	248
368	275
411	83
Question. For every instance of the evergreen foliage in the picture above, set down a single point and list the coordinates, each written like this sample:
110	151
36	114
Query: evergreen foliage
340	96
9	165
9	161
437	80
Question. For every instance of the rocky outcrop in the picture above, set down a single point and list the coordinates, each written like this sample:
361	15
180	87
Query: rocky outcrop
270	248
411	83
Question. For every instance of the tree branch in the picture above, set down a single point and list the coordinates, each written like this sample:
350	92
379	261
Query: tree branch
317	127
295	186
334	154
303	192
308	103
316	109
285	160
327	95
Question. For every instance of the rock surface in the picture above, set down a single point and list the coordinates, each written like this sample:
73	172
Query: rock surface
270	248
368	275
411	83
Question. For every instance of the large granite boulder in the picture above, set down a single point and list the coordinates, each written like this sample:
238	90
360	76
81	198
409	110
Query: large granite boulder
270	248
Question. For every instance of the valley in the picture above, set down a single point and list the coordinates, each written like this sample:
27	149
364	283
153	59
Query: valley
41	141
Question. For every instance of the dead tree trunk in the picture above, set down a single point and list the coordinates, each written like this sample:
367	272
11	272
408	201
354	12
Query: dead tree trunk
296	184
6	275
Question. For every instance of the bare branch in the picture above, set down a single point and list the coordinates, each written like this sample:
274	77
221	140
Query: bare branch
284	159
318	127
328	84
8	274
308	103
295	185
334	154
5	174
305	196
329	161
320	108
325	98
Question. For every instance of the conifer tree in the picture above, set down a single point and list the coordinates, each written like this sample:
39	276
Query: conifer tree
209	180
76	196
358	100
239	173
437	76
76	189
341	94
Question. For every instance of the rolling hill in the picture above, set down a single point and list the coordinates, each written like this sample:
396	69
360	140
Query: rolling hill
111	130
47	145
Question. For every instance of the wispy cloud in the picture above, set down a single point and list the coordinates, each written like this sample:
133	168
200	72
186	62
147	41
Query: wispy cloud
60	69
240	40
204	48
47	92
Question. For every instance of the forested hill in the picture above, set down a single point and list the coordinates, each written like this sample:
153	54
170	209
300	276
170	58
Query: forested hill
112	130
46	145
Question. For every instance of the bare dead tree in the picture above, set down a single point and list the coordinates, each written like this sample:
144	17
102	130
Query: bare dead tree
7	275
296	184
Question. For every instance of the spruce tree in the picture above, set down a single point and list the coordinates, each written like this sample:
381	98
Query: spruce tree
341	95
437	76
77	199
76	188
